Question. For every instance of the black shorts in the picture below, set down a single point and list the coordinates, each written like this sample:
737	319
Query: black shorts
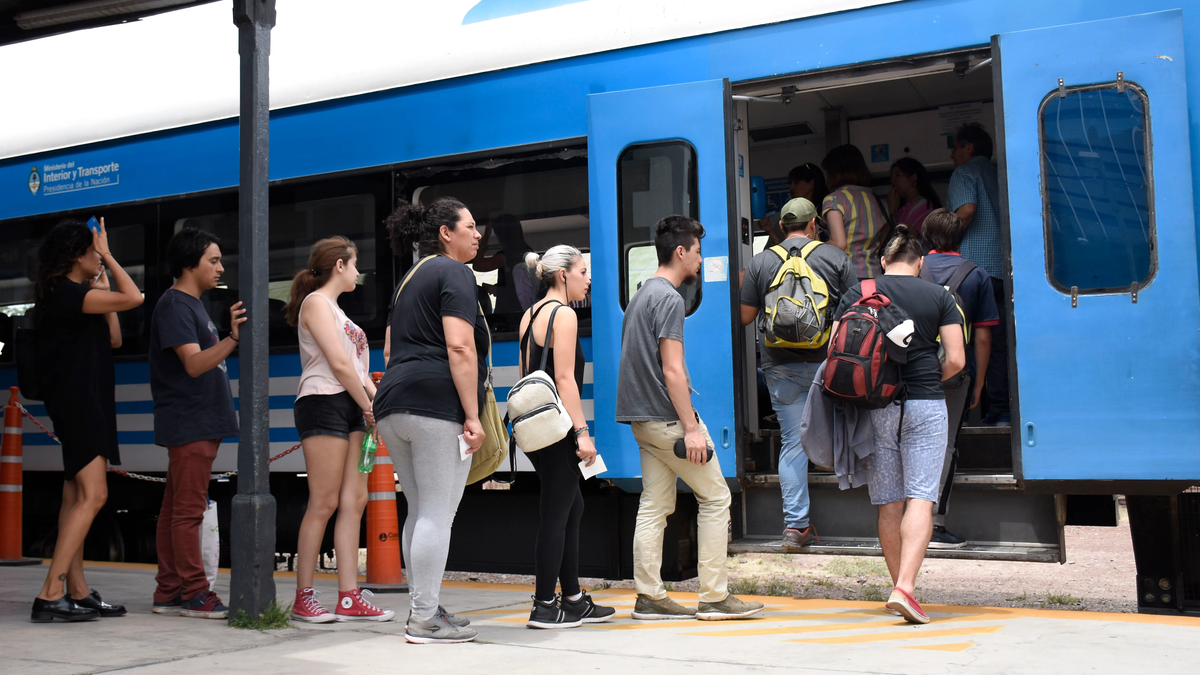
334	415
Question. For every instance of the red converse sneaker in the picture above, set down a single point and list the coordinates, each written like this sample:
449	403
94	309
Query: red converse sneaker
307	608
352	607
907	606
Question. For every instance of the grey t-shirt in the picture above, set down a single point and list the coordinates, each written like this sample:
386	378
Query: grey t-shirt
828	261
654	312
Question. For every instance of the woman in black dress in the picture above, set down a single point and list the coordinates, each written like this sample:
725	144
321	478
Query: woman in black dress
76	317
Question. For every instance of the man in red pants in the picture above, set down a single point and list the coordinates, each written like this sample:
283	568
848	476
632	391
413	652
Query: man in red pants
193	411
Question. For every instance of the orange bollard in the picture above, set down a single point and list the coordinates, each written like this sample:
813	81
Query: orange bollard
11	492
383	525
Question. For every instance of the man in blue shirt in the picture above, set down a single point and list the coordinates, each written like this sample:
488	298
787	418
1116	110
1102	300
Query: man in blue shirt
943	232
974	195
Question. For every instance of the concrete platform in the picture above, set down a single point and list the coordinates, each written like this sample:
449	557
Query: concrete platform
798	636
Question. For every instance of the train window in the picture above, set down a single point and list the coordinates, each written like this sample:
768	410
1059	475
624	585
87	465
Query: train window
520	204
293	229
1097	188
653	180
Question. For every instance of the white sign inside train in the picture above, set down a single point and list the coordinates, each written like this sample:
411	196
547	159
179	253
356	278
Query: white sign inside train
181	68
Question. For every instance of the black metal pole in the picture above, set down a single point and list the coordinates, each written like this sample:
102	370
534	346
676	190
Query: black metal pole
252	586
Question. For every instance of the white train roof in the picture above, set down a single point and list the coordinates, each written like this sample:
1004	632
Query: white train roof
181	68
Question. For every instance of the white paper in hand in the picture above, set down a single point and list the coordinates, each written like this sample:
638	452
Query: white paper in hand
597	467
463	447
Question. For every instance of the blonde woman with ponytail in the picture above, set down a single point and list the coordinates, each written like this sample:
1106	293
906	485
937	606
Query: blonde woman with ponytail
556	557
333	409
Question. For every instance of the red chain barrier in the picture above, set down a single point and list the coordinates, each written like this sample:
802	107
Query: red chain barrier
138	476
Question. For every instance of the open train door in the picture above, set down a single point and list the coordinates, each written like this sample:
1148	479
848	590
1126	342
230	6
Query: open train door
651	153
1096	170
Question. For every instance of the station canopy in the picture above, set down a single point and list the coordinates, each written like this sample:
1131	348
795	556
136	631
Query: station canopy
22	20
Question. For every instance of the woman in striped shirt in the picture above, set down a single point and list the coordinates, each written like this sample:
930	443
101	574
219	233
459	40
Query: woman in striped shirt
854	215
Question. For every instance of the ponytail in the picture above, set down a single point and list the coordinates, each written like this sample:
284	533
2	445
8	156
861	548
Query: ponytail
415	225
904	246
323	257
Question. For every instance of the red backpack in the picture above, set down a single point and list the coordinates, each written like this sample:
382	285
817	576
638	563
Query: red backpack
863	367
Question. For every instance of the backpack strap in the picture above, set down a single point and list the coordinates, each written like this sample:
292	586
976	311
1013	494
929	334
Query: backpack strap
527	339
960	275
546	344
809	248
781	252
868	287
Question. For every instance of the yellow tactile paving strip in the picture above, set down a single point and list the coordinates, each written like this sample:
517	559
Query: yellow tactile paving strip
823	622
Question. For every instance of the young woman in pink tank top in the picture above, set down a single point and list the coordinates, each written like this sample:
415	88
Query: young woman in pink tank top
332	412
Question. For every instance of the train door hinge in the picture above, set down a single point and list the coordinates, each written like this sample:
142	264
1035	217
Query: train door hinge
1074	296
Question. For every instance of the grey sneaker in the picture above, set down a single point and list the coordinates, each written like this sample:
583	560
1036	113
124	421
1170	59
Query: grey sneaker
729	608
666	609
436	630
460	621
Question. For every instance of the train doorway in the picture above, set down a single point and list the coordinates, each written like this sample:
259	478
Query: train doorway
910	108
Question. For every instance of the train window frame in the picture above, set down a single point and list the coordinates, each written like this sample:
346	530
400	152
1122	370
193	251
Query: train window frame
692	293
1121	86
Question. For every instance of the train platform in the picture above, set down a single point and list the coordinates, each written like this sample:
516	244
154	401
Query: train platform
799	636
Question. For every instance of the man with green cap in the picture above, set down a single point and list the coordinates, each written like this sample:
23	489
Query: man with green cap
789	371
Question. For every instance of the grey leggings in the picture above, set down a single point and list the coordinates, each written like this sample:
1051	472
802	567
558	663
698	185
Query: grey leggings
432	475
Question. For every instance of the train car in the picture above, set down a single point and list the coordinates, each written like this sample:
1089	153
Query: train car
583	122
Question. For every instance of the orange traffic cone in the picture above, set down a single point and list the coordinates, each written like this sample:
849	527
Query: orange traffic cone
11	492
383	525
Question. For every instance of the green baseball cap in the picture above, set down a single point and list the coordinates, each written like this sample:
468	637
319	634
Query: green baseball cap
797	210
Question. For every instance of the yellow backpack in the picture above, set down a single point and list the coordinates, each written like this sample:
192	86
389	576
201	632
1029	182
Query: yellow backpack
795	306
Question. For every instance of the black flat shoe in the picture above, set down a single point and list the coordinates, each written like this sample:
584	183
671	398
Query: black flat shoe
62	609
93	601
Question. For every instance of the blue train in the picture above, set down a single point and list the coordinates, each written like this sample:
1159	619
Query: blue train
570	121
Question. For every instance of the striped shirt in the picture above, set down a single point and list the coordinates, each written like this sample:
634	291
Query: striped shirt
976	183
864	219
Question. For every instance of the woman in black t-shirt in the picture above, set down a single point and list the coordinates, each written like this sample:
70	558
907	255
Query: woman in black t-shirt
907	463
76	317
556	554
431	396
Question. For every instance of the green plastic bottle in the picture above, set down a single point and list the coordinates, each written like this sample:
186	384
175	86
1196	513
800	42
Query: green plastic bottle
366	460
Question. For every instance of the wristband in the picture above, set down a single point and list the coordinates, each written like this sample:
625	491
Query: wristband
233	338
580	431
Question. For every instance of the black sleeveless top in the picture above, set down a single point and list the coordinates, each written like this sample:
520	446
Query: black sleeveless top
535	350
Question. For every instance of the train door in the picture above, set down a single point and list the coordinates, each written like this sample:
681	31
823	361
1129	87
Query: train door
1095	168
651	153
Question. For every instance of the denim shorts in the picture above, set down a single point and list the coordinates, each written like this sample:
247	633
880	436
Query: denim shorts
334	415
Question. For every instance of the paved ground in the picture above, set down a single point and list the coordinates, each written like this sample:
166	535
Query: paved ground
794	635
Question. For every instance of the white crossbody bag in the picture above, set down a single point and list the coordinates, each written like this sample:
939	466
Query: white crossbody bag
539	418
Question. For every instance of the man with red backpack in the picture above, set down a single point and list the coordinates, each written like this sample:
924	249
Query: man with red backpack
910	435
972	290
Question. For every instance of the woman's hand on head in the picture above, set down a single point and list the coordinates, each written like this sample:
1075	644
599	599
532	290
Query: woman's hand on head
100	240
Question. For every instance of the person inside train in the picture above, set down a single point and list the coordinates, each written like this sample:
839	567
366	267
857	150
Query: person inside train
332	413
556	554
912	196
804	181
943	234
654	397
515	289
854	215
789	372
430	398
193	411
75	314
910	439
974	195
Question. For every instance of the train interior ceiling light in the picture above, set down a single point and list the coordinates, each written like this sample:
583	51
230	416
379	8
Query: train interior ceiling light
87	11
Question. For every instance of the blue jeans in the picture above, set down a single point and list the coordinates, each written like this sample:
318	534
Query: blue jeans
789	384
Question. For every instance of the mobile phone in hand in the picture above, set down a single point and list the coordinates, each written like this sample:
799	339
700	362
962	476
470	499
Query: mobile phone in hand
93	225
681	450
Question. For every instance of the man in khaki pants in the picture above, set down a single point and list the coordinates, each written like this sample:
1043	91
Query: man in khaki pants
653	395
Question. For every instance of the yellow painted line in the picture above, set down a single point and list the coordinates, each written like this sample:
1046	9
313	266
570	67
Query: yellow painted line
758	618
848	625
911	634
948	647
479	612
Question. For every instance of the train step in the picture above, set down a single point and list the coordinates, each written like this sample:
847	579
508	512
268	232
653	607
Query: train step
973	550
